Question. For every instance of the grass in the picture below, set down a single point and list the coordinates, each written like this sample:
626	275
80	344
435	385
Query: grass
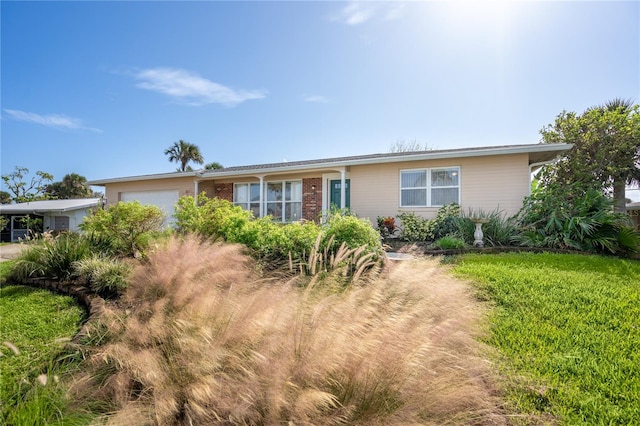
568	330
35	325
201	338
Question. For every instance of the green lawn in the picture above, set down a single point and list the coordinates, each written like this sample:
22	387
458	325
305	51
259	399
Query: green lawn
37	323
567	329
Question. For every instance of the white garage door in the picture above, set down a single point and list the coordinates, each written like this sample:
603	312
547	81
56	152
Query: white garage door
166	200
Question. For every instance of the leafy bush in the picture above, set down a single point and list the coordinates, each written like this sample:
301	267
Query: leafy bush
580	220
445	222
417	228
414	227
128	226
211	217
351	231
105	276
216	218
498	231
449	242
53	257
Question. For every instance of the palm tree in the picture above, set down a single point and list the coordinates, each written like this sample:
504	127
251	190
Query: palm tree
182	152
213	166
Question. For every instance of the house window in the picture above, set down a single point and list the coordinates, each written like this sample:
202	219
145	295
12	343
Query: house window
429	187
61	223
247	196
284	200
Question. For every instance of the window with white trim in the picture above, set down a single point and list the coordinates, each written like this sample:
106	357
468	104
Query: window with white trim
284	200
247	196
429	187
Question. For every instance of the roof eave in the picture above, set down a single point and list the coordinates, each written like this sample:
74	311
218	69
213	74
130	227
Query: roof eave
553	149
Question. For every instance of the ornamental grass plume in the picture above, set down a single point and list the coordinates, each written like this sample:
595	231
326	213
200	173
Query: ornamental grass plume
206	340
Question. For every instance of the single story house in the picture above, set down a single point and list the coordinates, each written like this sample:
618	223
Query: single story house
486	178
56	215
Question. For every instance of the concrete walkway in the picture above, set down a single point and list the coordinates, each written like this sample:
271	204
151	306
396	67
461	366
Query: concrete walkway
10	251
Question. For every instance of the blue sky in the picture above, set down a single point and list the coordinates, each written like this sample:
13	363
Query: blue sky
102	88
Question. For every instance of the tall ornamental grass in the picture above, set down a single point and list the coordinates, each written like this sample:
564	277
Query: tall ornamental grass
202	339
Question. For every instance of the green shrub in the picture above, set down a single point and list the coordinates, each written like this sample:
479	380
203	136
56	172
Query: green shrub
351	231
445	221
128	226
105	276
415	228
53	257
211	217
579	220
449	242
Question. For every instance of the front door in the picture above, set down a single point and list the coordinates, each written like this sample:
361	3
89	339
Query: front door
335	187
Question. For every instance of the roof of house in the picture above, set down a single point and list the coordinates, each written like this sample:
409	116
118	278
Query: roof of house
633	206
47	206
538	153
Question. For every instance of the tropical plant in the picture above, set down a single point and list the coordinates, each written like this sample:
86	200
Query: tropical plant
566	219
606	149
213	166
128	226
72	186
386	226
182	152
498	230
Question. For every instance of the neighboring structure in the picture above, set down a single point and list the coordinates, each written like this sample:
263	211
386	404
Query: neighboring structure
485	178
56	215
633	210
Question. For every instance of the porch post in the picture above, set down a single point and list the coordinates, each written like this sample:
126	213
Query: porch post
262	206
343	189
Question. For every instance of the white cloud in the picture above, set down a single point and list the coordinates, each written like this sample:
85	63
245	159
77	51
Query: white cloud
192	89
356	12
57	121
316	99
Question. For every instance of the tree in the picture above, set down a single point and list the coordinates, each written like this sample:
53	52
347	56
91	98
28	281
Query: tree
213	166
5	197
72	186
23	191
606	151
408	146
183	152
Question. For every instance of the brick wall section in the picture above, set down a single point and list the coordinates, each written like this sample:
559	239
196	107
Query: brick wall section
224	191
311	198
